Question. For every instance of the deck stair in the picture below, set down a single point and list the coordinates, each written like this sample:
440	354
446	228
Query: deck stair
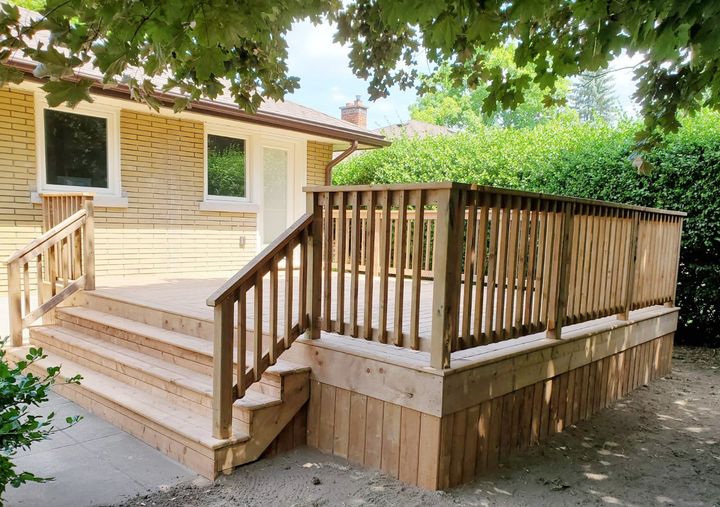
156	384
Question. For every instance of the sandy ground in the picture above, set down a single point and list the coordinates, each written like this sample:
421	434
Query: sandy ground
658	446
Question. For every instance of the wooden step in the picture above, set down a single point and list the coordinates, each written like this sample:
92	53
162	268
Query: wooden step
178	432
188	388
171	346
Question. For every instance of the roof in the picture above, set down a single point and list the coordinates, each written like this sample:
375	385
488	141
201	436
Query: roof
413	128
281	114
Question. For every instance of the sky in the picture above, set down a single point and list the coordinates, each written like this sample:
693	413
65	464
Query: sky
326	81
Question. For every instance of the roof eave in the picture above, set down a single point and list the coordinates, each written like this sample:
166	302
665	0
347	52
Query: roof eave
226	111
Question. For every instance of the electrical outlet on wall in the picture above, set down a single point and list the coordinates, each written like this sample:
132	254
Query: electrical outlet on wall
242	241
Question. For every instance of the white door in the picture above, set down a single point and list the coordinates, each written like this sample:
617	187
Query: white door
277	191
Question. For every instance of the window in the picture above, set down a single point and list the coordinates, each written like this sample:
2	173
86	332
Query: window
226	167
76	150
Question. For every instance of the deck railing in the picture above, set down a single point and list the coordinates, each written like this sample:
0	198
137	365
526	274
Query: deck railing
438	267
503	263
252	331
54	266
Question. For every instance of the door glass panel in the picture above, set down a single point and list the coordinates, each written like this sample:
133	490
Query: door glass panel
275	198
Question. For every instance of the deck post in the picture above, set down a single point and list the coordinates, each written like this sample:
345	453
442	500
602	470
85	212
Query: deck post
88	250
14	302
630	274
559	297
446	275
314	266
223	369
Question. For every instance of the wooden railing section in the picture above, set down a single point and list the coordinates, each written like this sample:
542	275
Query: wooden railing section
56	207
503	263
52	267
251	331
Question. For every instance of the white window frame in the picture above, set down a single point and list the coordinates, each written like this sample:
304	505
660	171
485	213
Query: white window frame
112	116
227	131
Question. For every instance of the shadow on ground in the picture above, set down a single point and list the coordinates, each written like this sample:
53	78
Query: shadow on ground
658	446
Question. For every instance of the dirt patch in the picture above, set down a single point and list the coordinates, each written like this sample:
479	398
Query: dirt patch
658	446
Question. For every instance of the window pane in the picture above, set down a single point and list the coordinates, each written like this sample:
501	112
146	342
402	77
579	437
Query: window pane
76	149
226	166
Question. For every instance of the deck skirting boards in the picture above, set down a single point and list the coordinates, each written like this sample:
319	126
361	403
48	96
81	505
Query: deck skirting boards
489	411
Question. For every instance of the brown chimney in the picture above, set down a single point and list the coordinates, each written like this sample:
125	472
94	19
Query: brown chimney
355	112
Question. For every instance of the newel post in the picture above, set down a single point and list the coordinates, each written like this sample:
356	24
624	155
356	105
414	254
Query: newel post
629	288
314	265
557	304
88	250
14	303
223	368
447	254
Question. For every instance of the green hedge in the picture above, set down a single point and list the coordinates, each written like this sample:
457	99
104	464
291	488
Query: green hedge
594	161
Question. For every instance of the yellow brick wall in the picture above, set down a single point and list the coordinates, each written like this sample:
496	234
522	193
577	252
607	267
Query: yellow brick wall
162	230
318	156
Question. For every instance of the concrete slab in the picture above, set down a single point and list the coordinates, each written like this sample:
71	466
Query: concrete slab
93	463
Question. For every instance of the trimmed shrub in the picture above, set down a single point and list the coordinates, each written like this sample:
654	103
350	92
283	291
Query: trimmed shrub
592	161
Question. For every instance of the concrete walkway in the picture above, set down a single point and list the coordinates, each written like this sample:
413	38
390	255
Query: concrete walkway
93	463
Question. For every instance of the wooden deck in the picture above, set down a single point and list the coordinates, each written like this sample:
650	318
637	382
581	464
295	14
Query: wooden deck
186	295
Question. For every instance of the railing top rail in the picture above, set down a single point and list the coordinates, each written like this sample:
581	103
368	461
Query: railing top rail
248	272
66	194
49	235
489	190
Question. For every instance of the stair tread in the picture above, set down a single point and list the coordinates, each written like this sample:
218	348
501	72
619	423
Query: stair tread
188	342
159	368
187	423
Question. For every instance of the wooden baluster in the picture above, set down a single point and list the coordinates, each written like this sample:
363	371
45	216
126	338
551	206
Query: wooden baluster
241	351
503	237
534	217
314	266
401	248
429	242
53	273
77	254
558	299
512	261
328	257
39	279
577	274
492	268
524	217
273	311
258	327
446	269
222	369
340	288
465	338
303	293
26	287
480	257
384	263
551	243
355	259
631	263
369	264
417	265
289	280
676	261
539	280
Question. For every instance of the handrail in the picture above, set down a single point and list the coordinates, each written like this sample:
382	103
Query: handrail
48	236
258	344
248	272
61	261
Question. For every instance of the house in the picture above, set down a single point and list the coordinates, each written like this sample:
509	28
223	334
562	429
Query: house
413	129
427	330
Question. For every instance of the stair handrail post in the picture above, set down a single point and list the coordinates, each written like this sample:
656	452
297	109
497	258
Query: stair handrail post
314	265
88	250
14	303
223	368
447	255
559	297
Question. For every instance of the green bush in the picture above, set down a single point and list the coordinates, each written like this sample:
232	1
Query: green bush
587	160
19	428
